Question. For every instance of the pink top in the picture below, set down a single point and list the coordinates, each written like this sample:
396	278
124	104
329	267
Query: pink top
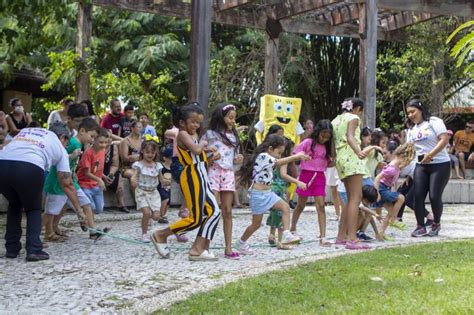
390	175
318	162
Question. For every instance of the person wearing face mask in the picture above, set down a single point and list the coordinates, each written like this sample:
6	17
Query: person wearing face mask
17	119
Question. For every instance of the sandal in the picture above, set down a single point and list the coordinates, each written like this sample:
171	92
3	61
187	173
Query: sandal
271	240
205	256
54	237
284	246
323	242
233	255
60	232
99	234
161	248
356	245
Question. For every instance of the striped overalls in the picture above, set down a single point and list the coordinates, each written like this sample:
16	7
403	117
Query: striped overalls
204	211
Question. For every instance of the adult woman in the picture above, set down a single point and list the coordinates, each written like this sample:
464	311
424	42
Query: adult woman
90	110
17	119
23	162
351	168
129	149
60	115
433	168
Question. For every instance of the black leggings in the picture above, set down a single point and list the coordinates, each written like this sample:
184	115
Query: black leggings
408	191
430	178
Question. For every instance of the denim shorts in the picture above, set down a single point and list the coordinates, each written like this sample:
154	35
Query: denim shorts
260	201
386	195
96	197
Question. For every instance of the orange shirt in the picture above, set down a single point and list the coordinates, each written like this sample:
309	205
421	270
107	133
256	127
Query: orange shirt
95	163
462	141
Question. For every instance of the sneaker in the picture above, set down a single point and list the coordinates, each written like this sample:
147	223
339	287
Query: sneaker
356	245
37	256
182	238
435	228
292	204
243	248
289	238
233	256
163	219
11	255
297	235
419	231
429	222
398	225
364	237
146	238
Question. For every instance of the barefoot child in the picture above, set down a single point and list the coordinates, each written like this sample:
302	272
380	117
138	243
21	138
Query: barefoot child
204	210
318	146
258	172
223	135
384	182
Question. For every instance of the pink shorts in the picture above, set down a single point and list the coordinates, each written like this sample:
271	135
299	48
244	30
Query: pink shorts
220	178
317	187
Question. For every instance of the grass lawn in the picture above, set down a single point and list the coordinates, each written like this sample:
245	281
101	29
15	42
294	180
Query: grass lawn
431	278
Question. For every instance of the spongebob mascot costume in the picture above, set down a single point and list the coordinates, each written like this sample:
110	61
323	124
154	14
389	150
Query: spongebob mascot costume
282	111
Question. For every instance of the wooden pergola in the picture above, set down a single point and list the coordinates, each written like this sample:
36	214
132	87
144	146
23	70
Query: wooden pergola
368	20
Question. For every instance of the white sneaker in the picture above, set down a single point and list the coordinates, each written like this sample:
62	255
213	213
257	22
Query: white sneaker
243	248
289	238
146	238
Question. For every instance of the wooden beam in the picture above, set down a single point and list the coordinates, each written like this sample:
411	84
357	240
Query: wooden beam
463	8
244	19
224	5
200	53
289	8
83	43
368	59
345	14
404	19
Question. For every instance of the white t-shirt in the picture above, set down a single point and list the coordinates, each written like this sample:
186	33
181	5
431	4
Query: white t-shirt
147	176
408	170
425	136
227	153
37	146
263	169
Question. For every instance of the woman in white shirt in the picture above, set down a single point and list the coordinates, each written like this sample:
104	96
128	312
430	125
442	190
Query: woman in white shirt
432	171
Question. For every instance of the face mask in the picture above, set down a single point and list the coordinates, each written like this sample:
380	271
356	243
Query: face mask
19	109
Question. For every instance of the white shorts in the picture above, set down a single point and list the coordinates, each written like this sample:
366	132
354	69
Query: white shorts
147	199
55	203
331	176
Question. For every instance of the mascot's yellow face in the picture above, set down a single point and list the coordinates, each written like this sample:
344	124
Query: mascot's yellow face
282	111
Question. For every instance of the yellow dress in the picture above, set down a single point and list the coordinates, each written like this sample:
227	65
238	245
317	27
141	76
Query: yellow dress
347	162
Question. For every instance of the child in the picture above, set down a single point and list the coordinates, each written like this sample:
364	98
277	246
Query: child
164	186
146	176
392	200
112	176
279	187
126	121
318	146
258	170
56	202
350	167
204	210
91	171
224	137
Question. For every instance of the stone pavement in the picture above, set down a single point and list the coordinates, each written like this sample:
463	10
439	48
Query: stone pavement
114	275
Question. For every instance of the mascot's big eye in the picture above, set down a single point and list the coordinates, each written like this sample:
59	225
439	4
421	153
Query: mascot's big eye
289	108
278	106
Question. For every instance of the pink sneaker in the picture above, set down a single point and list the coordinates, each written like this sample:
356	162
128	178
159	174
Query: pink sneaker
356	245
233	256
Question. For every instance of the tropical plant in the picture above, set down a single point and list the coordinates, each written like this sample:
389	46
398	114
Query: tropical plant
463	50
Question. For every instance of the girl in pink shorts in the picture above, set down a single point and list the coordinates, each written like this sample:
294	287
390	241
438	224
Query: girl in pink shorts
319	147
224	137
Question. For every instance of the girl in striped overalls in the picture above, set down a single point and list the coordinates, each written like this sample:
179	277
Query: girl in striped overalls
204	210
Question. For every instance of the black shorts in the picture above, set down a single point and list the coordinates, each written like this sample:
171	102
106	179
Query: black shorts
115	183
164	193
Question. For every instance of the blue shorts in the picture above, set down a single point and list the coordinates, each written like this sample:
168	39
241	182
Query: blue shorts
261	201
386	195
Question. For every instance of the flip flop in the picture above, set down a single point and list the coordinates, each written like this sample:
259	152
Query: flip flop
205	256
161	248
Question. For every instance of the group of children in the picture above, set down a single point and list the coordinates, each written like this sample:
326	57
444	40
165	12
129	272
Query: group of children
205	165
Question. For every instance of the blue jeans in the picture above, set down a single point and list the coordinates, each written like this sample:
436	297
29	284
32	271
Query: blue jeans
96	196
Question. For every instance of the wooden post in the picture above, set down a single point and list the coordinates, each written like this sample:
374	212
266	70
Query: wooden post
200	53
272	60
368	59
83	41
